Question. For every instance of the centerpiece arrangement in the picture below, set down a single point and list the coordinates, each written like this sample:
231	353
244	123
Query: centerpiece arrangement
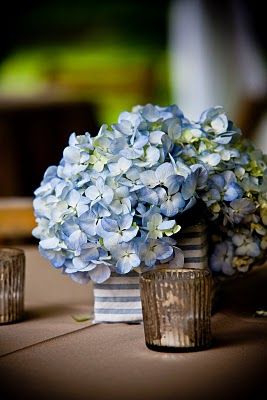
115	203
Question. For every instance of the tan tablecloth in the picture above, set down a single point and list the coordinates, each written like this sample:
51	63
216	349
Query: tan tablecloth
51	356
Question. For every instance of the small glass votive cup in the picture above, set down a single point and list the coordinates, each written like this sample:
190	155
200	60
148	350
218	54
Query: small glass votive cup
176	306
12	277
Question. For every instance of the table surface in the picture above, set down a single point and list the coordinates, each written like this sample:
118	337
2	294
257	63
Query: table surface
50	355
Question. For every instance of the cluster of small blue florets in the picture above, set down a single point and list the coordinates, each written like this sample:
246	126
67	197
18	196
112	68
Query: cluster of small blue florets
112	202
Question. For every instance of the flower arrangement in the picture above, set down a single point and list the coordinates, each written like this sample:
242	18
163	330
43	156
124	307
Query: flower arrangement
114	200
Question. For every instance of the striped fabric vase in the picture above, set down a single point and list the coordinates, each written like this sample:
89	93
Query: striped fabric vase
193	241
118	299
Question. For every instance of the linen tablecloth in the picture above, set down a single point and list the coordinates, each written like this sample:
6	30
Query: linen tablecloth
51	356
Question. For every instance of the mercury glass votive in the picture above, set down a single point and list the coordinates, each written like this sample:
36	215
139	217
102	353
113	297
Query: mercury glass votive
176	306
12	276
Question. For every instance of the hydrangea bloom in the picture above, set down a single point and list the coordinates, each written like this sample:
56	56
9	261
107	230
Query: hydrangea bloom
113	201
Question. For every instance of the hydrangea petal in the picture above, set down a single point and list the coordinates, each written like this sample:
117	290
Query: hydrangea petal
178	259
149	178
150	258
164	171
163	251
155	137
173	183
80	277
189	186
147	195
125	221
73	198
92	192
108	195
168	224
109	225
49	243
123	266
129	234
71	155
211	159
112	240
77	239
100	274
169	208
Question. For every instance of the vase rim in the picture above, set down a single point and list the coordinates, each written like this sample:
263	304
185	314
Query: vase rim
10	252
184	273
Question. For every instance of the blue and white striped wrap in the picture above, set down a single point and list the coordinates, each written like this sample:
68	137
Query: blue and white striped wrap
118	299
194	244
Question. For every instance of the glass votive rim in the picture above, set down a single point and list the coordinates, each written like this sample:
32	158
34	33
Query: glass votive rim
176	273
10	252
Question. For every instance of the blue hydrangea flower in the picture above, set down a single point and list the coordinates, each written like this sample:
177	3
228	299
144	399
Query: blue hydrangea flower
99	192
214	120
113	200
222	257
226	184
127	257
246	246
155	250
157	227
238	209
114	231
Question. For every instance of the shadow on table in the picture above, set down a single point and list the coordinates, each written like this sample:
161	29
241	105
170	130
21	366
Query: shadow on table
55	311
244	295
239	335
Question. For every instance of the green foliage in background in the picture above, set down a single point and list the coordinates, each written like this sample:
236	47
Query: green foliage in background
112	77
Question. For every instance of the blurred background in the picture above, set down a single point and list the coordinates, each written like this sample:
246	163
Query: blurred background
70	66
